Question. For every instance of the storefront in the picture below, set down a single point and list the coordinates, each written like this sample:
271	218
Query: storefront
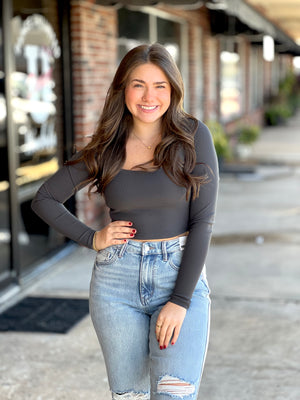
57	59
43	95
33	141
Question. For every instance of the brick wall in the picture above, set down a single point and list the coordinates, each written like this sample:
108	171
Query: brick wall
211	73
94	55
204	50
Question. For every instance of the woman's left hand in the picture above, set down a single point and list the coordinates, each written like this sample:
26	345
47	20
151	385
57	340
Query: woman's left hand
169	323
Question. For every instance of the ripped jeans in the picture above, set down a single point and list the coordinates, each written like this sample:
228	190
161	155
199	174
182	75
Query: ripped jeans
130	284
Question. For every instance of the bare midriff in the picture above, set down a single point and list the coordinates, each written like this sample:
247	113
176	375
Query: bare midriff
162	240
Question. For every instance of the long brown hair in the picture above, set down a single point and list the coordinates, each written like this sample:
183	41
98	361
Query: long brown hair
105	154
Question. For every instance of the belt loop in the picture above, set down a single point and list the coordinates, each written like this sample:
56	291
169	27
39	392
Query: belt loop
164	250
182	241
122	250
143	249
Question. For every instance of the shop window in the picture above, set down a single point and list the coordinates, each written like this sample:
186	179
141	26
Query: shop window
169	34
231	82
133	30
138	27
36	95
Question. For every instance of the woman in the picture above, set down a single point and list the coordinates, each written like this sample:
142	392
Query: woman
157	169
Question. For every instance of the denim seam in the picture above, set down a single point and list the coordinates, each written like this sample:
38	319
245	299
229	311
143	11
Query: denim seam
207	338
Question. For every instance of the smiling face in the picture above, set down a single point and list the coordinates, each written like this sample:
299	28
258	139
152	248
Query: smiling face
147	94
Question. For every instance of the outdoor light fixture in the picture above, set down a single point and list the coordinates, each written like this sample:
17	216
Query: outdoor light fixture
268	48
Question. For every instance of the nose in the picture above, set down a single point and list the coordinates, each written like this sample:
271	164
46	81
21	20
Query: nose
147	95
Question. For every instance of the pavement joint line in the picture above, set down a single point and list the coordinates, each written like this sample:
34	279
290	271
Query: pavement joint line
229	363
281	300
258	238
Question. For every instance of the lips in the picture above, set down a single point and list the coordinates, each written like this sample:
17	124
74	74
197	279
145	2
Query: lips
147	108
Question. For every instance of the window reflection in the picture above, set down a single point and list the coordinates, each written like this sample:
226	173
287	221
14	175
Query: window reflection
34	107
230	84
33	96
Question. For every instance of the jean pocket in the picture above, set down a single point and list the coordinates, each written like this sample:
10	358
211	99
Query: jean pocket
106	256
174	260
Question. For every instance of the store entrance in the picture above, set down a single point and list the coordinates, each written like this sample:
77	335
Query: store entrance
36	96
31	130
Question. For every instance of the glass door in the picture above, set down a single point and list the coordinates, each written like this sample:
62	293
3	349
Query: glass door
36	87
5	235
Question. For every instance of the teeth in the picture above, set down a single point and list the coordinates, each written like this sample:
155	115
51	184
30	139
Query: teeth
148	107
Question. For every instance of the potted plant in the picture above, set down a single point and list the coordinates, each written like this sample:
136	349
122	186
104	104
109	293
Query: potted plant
277	113
285	103
246	136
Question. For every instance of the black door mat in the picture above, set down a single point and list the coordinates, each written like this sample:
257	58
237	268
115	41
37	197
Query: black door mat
44	314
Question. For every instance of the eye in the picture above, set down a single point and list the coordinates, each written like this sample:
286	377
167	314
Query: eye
137	85
160	87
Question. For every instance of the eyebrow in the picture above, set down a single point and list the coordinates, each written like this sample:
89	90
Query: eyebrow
141	81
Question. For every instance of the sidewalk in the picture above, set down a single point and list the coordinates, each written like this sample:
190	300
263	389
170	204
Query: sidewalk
254	274
280	144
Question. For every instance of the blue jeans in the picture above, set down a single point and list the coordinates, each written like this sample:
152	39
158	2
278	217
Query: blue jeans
130	284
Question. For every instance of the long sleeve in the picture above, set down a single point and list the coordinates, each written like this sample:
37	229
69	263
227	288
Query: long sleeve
201	219
49	201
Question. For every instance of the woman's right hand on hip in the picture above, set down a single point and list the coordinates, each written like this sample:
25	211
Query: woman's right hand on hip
116	232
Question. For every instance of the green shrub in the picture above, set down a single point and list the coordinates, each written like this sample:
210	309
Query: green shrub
278	113
220	139
248	134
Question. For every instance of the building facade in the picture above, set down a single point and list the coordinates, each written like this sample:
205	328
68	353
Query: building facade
57	59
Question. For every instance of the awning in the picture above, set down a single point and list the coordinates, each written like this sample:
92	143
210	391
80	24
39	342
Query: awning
227	17
283	13
241	17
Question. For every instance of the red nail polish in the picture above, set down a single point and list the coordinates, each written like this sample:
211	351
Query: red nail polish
125	240
133	230
165	346
172	343
131	234
130	224
161	347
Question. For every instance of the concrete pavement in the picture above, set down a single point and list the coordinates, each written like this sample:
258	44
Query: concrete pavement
254	274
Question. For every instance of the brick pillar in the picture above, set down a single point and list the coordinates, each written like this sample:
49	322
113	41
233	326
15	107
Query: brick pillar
211	72
94	55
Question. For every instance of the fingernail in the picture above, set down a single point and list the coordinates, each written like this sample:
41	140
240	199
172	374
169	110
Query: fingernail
130	223
165	346
132	234
172	343
161	347
134	230
125	240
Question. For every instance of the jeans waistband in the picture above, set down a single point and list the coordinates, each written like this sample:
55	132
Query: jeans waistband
154	247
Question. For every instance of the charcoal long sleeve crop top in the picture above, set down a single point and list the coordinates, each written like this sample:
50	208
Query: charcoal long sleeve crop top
157	207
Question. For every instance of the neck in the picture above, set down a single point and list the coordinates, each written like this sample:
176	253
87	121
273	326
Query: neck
147	131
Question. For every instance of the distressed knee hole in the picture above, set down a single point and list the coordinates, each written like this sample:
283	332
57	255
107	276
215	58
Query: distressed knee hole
175	387
130	396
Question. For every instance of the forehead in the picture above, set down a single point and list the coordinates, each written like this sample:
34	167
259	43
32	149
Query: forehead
149	73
